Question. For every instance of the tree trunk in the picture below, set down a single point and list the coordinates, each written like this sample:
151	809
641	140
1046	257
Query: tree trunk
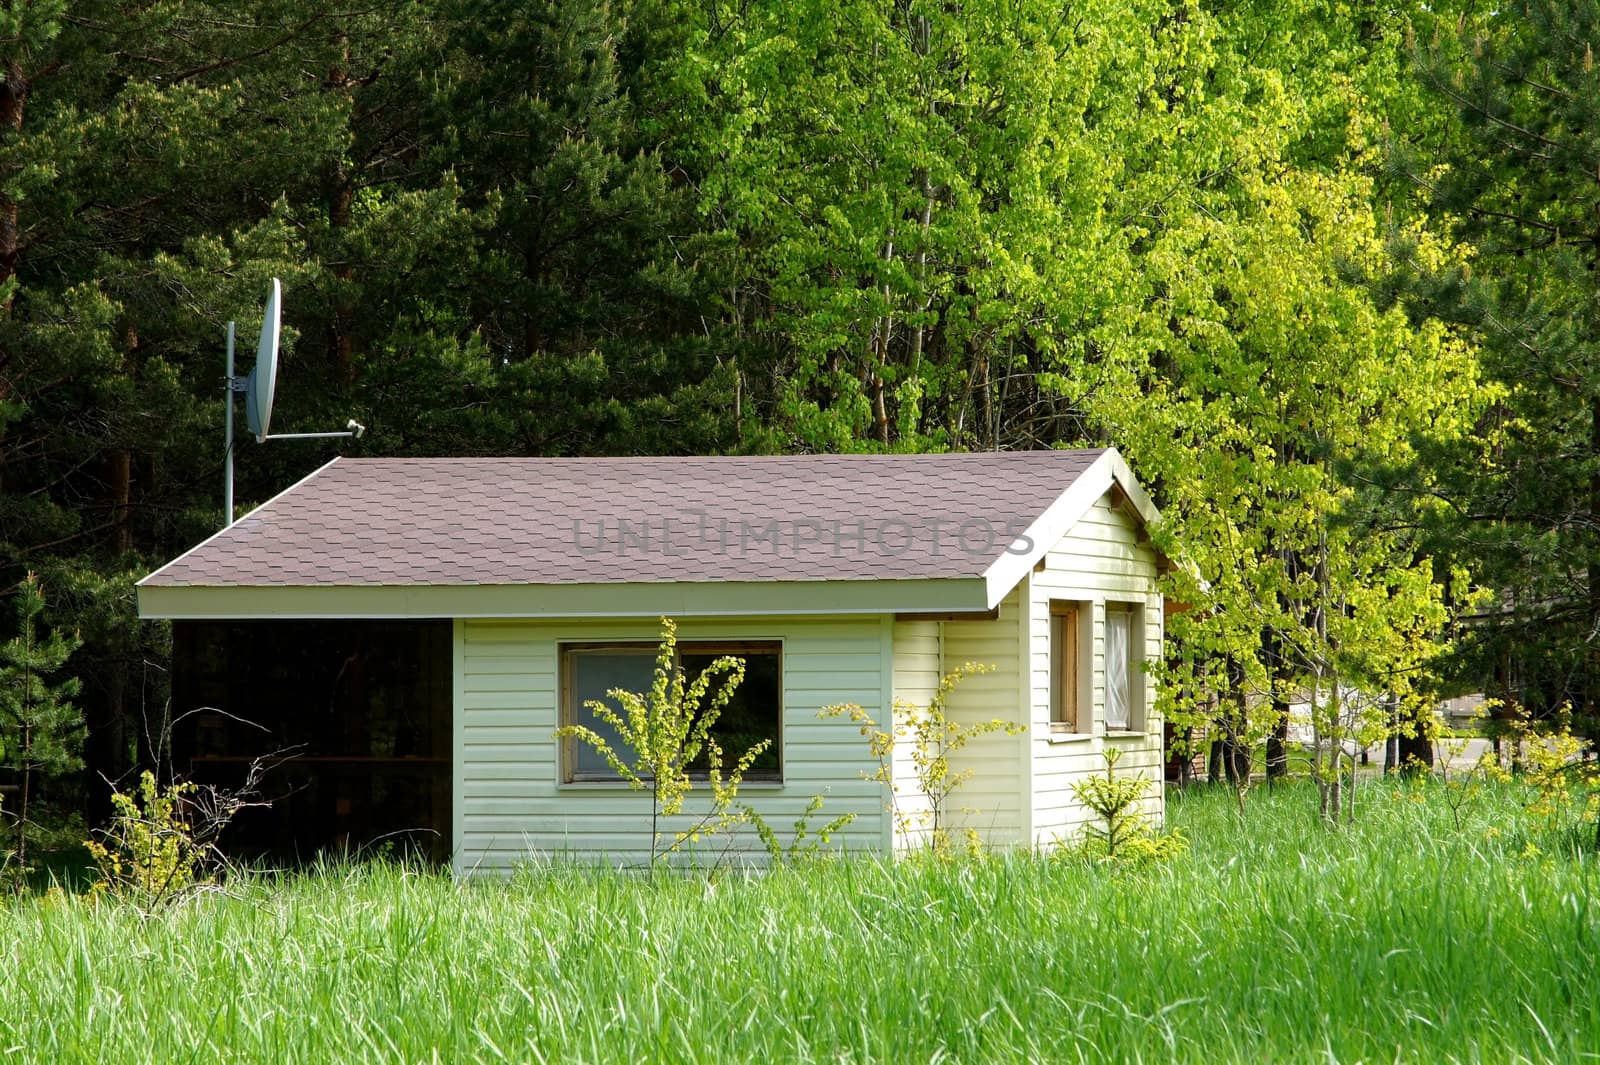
878	356
1591	673
1416	752
1391	740
120	469
26	784
1278	742
1235	725
105	745
119	460
991	438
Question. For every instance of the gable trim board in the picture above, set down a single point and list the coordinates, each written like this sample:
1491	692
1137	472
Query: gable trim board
1108	471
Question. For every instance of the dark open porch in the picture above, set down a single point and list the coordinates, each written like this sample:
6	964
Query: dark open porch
355	715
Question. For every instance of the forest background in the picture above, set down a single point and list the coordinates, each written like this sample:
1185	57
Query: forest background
1324	272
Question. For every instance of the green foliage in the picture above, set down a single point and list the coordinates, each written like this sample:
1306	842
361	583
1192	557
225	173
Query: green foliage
41	729
1461	789
1123	833
1566	781
1148	225
919	194
805	843
148	854
666	731
482	248
576	227
1502	161
923	806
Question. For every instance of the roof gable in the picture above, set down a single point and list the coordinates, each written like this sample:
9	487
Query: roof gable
1108	473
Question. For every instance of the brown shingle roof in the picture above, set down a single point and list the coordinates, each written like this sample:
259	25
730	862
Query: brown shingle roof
624	520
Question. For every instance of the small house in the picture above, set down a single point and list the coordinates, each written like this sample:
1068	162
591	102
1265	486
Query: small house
402	638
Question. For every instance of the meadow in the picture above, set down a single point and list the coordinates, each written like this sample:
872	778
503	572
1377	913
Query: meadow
1403	937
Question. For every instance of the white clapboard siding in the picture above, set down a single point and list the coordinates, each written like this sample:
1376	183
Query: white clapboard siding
1099	559
993	801
918	666
511	806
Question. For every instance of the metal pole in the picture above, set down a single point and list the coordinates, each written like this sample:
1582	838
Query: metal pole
227	437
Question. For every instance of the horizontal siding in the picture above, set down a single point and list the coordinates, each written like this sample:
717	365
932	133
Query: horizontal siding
991	801
1099	559
512	806
918	667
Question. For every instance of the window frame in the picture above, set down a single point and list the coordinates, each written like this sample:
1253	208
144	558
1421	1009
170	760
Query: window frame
1068	619
567	650
1137	699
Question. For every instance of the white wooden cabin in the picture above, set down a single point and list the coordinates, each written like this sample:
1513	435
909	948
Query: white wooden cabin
840	579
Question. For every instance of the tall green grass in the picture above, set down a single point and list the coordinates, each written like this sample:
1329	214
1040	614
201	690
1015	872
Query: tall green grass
1274	939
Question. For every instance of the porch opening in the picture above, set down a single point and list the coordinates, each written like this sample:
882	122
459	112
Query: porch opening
354	715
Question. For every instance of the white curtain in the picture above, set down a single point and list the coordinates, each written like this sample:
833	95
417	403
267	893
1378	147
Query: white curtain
1118	695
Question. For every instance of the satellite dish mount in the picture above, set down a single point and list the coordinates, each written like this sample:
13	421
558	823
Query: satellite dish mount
259	386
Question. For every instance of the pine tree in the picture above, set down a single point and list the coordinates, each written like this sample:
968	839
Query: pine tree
1511	164
41	730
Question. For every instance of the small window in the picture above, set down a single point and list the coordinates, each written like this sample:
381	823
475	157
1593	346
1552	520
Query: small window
1124	690
1066	669
753	713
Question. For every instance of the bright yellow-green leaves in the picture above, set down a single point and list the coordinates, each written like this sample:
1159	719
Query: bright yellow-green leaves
665	731
1148	224
149	853
922	192
923	804
1278	404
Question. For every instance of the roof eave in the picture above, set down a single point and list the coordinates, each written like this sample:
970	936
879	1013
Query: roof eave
615	600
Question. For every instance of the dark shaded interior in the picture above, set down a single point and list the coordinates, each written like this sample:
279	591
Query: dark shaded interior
354	715
752	714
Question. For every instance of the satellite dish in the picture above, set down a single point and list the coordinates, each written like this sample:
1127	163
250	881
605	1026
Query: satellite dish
258	386
263	379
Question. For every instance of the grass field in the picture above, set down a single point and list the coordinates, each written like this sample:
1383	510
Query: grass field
1273	939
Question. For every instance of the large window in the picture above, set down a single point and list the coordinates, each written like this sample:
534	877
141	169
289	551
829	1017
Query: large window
1066	667
752	714
1124	680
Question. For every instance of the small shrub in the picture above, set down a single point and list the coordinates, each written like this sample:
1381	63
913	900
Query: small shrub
1122	833
665	731
1462	788
41	727
148	853
1568	784
933	737
805	844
